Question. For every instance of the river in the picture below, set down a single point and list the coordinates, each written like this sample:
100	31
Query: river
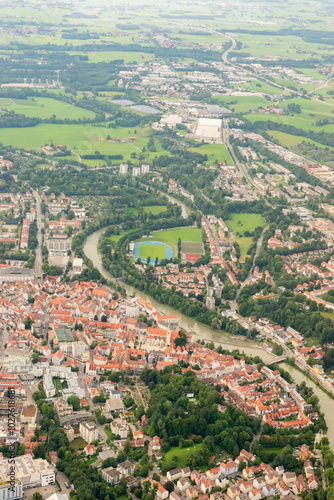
198	330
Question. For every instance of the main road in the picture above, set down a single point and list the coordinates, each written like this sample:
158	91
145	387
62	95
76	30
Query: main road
38	257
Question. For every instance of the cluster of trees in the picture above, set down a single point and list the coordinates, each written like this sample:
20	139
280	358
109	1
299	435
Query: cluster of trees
176	418
287	309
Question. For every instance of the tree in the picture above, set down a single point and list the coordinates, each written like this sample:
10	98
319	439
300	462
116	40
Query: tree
169	485
37	496
75	402
28	323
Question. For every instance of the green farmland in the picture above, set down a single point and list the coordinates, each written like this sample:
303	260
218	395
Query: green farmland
44	108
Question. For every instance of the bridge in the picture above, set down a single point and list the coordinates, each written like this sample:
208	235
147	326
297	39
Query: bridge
278	359
75	418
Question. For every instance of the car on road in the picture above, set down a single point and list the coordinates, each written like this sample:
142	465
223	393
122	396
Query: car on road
66	484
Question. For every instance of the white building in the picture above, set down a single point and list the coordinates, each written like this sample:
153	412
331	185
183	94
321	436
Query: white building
88	431
123	168
209	128
29	472
48	386
78	265
145	169
136	171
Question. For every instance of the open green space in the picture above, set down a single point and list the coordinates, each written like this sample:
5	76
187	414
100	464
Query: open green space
244	244
80	138
154	209
311	112
239	223
152	251
44	108
328	315
171	236
243	104
292	140
215	152
117	237
182	454
128	57
261	86
78	444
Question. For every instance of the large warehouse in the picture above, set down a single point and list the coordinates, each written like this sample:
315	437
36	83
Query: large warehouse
209	128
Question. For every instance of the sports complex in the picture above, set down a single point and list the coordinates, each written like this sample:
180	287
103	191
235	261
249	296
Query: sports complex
152	249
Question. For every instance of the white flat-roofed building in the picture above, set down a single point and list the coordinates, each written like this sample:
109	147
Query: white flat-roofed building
29	472
78	265
209	128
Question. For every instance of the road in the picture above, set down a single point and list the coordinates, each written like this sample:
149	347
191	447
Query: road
38	258
227	51
240	166
233	303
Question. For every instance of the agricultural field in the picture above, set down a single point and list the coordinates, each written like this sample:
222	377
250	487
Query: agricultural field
239	223
82	139
311	112
243	104
43	107
128	57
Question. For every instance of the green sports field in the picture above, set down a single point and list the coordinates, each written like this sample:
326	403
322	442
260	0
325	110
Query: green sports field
152	251
239	223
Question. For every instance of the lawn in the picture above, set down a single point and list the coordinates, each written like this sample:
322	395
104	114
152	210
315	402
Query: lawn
215	152
117	237
328	315
244	244
172	236
43	107
57	384
152	251
239	223
182	454
78	444
154	209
